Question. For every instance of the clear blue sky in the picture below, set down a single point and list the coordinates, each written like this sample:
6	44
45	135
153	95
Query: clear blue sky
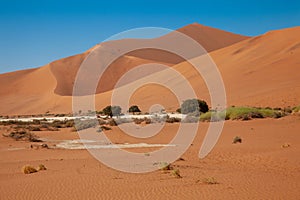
36	32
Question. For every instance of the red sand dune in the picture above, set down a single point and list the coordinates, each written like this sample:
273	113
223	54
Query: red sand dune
260	71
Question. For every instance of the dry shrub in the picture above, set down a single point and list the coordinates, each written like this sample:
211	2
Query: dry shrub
112	122
237	139
123	120
102	122
173	119
106	128
33	128
41	167
85	124
147	120
165	166
285	145
176	173
23	135
27	169
210	181
138	121
69	123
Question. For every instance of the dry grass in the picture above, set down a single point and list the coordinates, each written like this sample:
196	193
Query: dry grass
285	145
165	166
41	167
237	139
27	169
23	135
210	181
176	173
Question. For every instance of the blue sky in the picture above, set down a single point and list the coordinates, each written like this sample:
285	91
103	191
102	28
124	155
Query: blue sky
34	33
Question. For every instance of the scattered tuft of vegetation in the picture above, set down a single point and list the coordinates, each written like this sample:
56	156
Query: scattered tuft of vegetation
176	173
112	122
33	128
23	135
138	120
41	167
288	110
210	181
237	139
242	113
190	118
85	124
123	120
285	145
296	109
27	169
106	128
165	166
172	119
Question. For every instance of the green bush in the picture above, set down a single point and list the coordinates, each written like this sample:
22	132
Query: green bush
193	106
241	113
214	116
133	109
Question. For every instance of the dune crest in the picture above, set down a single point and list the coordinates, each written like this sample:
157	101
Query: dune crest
258	71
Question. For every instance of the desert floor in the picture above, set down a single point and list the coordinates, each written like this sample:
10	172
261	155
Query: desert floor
257	168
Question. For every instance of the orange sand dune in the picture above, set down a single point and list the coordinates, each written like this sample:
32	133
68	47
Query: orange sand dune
260	71
65	70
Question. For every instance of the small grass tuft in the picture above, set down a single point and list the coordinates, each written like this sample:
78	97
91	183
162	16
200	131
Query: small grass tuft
176	173
165	166
296	109
210	181
41	167
27	169
285	145
236	140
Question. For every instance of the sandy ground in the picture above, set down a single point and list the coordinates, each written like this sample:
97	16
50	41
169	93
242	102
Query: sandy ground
258	168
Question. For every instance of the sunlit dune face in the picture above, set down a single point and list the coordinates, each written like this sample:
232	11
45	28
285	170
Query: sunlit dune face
154	97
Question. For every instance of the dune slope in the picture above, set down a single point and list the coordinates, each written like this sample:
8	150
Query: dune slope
259	71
